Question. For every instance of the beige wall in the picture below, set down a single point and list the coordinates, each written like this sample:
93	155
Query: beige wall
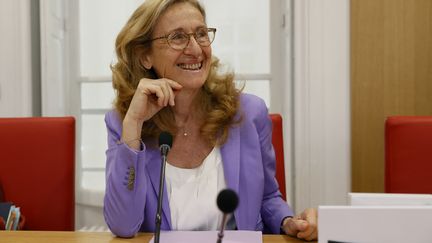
391	74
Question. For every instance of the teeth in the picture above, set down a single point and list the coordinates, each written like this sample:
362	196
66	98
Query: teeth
195	66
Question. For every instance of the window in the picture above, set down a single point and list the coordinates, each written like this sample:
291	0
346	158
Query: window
243	43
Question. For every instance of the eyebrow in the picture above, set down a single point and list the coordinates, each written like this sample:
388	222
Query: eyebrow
182	29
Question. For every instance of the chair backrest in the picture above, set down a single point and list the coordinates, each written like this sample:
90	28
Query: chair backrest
37	170
408	154
277	141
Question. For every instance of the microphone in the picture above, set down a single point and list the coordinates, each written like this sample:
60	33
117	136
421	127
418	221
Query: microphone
165	143
227	202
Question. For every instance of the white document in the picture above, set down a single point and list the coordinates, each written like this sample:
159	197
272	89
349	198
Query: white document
230	236
380	224
389	199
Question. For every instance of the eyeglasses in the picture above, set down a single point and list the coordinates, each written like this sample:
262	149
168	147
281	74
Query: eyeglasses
179	40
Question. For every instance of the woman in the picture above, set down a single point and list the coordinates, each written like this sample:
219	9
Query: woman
166	79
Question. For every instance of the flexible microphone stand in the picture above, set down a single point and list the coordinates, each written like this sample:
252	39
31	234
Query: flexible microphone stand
222	229
227	201
165	143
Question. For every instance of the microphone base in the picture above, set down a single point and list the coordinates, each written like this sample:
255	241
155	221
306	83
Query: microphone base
220	236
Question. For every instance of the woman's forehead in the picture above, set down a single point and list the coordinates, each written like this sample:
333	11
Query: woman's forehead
180	16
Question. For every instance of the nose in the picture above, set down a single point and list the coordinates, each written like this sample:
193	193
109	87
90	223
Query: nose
193	48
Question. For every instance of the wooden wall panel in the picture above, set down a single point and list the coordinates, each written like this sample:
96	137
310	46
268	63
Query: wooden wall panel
391	74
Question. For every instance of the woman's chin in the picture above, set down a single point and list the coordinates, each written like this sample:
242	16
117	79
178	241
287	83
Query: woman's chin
192	83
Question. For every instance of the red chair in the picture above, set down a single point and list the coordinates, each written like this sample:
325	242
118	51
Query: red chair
37	170
408	154
277	141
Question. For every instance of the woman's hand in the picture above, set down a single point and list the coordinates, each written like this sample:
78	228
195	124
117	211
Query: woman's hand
150	97
303	226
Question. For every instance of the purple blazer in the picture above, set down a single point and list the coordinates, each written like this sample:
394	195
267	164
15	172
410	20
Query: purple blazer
132	178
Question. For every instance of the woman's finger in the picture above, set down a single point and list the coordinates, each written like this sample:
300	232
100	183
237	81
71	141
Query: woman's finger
166	91
158	91
311	232
174	86
171	97
294	226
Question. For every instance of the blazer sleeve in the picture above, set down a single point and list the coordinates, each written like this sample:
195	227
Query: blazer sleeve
126	183
274	209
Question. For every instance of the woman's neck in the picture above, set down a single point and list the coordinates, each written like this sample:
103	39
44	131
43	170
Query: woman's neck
184	105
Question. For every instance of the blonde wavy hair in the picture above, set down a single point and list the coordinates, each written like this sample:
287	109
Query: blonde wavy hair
218	99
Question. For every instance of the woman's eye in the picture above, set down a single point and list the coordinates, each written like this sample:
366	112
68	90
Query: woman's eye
201	33
178	36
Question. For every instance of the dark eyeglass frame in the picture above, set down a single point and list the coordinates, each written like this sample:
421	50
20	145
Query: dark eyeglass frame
194	34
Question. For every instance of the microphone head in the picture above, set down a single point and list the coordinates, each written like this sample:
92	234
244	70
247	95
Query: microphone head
165	138
227	200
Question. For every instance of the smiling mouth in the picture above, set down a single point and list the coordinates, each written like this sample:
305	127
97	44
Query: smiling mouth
192	67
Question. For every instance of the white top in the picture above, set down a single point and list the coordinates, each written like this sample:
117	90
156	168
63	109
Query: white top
192	194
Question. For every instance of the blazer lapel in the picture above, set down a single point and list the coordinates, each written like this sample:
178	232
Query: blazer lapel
231	165
154	168
231	159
